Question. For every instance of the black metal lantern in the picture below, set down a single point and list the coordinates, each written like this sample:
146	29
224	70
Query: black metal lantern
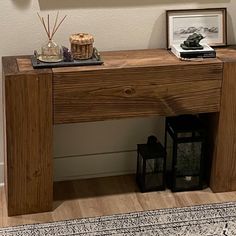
184	143
151	159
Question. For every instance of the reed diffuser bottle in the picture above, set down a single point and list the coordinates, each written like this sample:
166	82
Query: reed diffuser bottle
51	51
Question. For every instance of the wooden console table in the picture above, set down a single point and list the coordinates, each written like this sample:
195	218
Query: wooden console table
129	84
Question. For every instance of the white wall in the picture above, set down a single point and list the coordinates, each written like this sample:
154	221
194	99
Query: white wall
100	148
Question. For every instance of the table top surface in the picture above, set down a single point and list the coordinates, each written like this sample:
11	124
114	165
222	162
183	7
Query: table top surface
119	60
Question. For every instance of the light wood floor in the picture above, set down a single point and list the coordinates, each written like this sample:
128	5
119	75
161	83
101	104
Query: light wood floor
106	196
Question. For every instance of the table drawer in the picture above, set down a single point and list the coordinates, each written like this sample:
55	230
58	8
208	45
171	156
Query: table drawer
103	95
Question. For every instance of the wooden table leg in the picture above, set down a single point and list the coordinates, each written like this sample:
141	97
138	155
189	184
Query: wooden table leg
28	142
223	171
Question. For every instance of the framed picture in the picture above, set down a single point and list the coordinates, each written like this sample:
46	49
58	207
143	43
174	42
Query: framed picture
211	23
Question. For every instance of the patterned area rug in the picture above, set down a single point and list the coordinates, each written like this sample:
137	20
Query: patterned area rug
207	220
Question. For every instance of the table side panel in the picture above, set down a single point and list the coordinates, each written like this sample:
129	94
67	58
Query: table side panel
223	173
28	101
132	92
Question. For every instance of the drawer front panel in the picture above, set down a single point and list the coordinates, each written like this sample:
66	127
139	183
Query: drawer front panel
86	97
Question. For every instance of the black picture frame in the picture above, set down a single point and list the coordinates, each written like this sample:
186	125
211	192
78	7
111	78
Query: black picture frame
210	22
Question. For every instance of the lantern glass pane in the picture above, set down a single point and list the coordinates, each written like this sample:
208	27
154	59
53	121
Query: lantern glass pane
169	153
154	165
197	134
140	164
185	135
188	158
187	182
153	180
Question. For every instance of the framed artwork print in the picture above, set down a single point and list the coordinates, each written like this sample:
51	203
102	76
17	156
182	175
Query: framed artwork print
211	23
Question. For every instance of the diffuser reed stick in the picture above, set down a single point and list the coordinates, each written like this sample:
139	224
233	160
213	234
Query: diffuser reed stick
46	25
58	26
55	23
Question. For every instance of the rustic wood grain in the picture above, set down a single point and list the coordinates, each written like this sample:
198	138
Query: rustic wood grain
136	83
226	54
135	59
9	65
24	64
28	110
99	102
223	173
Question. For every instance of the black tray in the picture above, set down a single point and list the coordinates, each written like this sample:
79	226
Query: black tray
95	60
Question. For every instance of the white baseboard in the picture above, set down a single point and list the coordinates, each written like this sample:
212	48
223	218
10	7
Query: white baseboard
1	174
97	165
90	166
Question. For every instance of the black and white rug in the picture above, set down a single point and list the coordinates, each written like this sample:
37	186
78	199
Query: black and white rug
202	220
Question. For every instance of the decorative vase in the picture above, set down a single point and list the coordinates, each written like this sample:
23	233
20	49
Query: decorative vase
51	52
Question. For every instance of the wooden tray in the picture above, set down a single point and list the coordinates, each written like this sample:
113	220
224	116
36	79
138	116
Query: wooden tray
95	60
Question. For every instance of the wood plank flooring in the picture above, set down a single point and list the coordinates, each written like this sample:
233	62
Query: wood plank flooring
107	196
